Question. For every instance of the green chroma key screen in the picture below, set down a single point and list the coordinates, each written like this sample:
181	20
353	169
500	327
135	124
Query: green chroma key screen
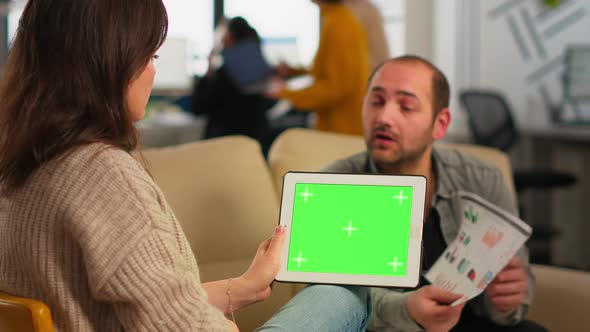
351	229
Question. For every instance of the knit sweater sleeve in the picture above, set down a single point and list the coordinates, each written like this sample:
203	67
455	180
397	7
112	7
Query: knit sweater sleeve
335	67
135	254
150	294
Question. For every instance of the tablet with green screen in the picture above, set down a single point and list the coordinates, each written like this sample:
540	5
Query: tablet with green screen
352	229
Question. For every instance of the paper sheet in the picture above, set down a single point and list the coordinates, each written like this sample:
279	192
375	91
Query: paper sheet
488	238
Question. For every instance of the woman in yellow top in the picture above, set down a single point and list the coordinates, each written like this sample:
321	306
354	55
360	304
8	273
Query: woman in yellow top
340	71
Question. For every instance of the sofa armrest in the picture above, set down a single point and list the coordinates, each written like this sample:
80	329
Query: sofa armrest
299	149
562	299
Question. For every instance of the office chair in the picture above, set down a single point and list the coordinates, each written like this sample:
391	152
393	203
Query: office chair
491	124
24	315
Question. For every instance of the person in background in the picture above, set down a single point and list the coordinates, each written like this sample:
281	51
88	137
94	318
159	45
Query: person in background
340	71
372	21
83	226
229	110
406	109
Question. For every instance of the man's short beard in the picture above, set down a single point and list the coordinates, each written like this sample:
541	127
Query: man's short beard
402	161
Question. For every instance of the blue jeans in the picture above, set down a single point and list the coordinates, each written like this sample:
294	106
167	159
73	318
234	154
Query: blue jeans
323	308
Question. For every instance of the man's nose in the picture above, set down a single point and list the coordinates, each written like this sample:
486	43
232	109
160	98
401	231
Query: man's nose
389	114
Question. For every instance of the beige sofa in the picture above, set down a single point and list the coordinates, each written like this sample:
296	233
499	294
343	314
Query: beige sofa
226	197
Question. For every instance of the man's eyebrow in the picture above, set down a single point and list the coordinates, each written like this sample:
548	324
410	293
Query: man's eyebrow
407	94
378	89
397	92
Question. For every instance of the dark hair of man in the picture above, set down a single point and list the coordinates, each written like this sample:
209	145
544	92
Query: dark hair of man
331	1
441	89
67	76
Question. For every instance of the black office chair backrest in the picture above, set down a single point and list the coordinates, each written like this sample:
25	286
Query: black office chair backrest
490	118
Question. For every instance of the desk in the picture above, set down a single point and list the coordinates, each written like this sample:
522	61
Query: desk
567	149
562	134
170	128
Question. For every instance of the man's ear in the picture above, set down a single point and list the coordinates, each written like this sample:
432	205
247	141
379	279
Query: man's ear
441	124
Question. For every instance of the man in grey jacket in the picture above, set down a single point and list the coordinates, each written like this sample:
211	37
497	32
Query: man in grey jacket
405	110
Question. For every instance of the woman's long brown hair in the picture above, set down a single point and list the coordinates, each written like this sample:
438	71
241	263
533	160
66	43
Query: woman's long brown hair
66	79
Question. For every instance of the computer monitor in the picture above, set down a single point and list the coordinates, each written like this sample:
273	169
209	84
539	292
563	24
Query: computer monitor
281	50
575	108
577	73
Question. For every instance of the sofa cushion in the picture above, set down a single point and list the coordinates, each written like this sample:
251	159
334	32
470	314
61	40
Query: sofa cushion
221	193
562	299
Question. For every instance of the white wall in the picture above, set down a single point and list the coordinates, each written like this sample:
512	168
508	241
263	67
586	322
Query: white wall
517	48
523	44
514	46
419	39
452	44
439	32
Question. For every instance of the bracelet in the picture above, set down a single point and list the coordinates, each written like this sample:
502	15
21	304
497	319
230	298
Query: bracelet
229	305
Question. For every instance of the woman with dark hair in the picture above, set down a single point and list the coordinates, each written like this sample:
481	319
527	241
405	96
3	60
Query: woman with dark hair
229	110
239	30
83	227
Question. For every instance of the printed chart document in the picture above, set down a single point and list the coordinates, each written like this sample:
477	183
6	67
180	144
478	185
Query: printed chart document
488	238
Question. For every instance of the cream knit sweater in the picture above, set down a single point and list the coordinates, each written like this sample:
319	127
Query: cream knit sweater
92	236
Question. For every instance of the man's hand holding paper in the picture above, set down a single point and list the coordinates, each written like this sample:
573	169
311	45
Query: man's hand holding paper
482	256
510	287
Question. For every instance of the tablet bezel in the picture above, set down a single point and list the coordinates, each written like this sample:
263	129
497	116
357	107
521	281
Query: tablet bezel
413	265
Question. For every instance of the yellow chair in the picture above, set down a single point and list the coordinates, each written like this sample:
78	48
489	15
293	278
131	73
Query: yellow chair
18	314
